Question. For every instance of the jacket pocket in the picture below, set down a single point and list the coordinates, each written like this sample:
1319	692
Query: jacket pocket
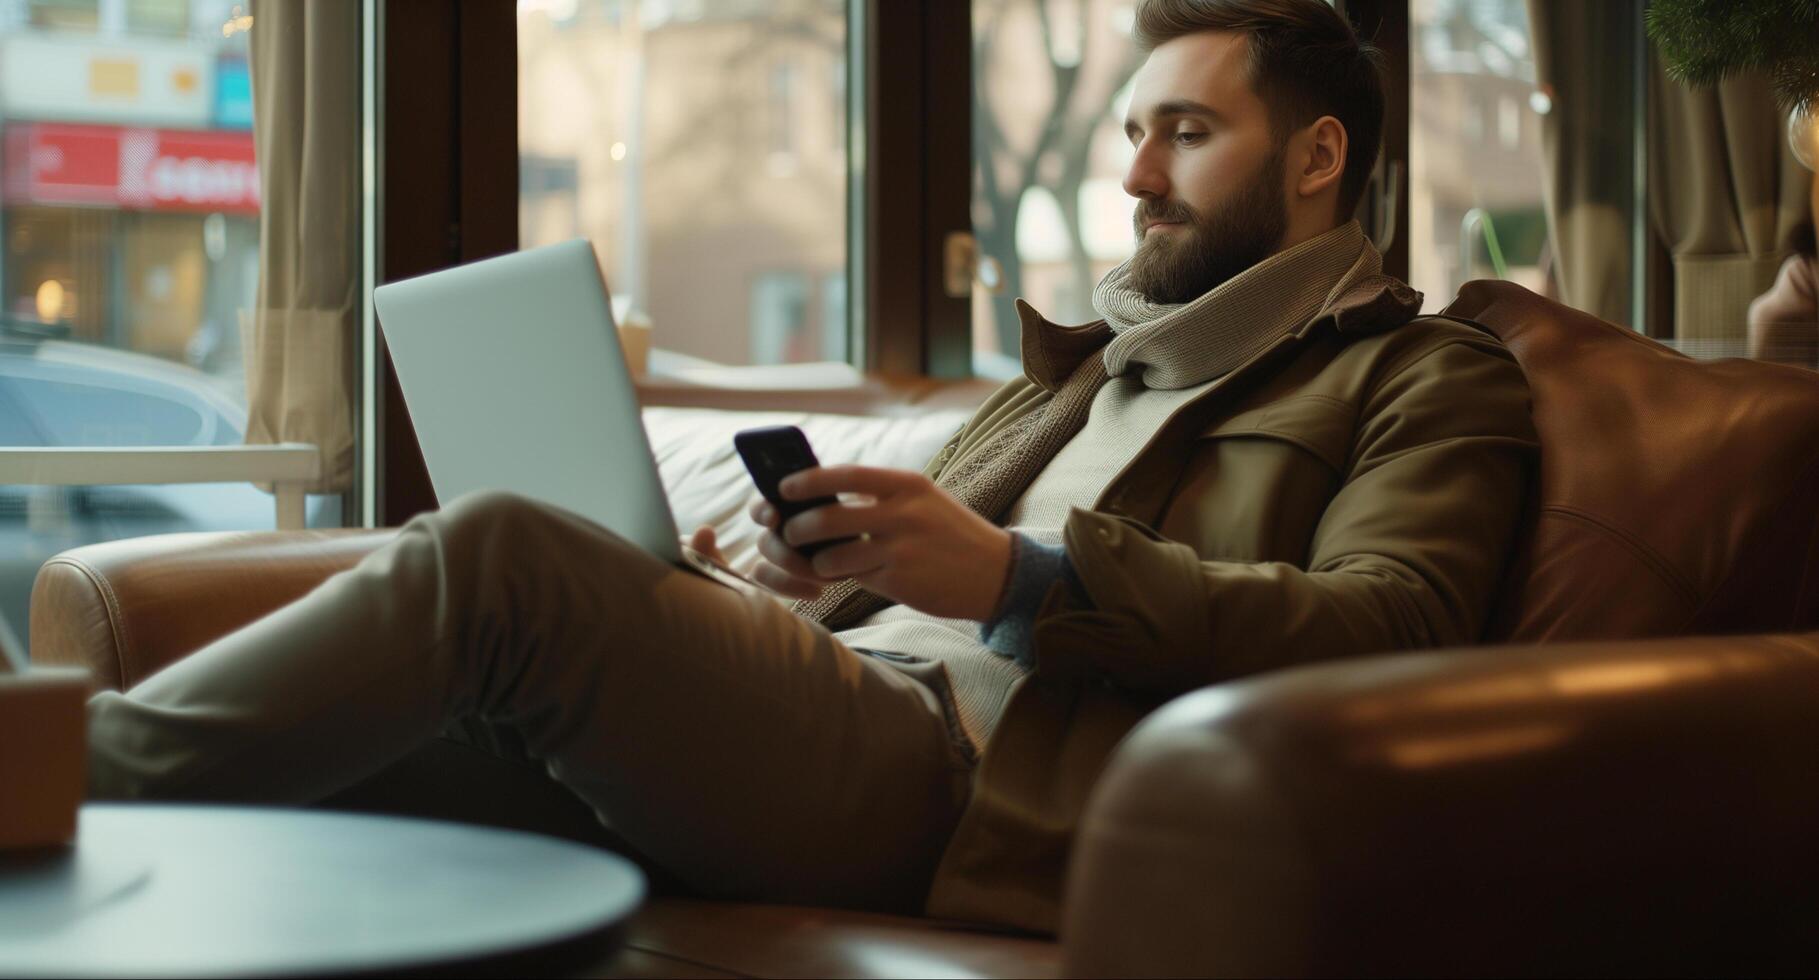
1323	426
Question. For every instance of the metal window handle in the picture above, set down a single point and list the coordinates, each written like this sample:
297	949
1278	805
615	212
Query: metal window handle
961	263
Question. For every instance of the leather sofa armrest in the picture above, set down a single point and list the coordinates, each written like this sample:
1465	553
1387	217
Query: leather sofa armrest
124	609
1587	809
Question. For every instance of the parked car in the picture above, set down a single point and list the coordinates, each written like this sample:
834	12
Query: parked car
57	393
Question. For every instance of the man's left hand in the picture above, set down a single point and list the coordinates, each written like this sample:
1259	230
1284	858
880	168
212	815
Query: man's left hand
917	544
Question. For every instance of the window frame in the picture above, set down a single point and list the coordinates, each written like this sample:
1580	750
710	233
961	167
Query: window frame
444	175
911	324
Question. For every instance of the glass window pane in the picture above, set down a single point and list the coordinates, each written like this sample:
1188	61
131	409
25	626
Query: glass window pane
1050	82
129	251
1475	164
1479	205
701	146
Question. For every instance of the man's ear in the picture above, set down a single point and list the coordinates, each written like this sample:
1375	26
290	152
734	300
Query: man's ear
1321	150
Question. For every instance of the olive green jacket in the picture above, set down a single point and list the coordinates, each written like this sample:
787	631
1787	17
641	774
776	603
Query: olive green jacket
1354	488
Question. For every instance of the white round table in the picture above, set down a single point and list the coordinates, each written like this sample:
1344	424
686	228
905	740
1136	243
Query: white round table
166	890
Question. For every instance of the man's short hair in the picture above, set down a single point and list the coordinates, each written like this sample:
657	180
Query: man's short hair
1306	62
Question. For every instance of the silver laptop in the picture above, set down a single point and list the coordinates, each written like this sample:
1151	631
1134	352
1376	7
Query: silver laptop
515	380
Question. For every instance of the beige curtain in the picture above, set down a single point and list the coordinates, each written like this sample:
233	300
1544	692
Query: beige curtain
1587	137
1725	197
306	128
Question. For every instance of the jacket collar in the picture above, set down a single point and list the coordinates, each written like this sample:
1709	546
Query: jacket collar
1051	351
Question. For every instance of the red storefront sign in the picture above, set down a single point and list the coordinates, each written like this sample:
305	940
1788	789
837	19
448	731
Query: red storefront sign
125	167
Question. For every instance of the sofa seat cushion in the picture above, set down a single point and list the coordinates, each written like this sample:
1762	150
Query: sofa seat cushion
675	937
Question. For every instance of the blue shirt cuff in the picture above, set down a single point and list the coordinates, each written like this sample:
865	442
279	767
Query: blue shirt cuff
1034	568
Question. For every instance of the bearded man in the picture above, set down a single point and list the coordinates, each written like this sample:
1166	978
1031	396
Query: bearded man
1260	457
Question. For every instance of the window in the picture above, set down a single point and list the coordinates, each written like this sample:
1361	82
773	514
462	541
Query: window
1477	204
129	257
1549	146
1534	153
704	160
1050	83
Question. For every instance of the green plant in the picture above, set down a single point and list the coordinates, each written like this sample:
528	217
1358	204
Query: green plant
1706	41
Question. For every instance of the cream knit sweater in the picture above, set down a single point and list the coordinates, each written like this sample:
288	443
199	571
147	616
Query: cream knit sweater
1157	365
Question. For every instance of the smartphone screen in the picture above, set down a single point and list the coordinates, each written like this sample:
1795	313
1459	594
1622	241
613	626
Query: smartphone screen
772	453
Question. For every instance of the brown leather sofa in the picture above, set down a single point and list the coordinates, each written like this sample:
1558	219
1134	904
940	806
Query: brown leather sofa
1626	781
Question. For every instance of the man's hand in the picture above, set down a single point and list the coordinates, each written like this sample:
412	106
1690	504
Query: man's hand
706	542
917	544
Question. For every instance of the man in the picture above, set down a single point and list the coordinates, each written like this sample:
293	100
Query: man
1261	457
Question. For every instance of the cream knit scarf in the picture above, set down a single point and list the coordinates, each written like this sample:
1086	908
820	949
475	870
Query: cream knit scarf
1179	345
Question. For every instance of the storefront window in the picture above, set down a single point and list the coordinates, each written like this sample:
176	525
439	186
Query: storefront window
129	252
701	146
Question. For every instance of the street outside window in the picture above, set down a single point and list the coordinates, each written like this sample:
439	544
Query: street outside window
701	146
129	254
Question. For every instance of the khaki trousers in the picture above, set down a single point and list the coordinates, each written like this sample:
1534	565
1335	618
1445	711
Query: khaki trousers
745	750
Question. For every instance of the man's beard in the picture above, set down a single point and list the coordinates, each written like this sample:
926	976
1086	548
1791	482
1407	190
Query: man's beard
1243	230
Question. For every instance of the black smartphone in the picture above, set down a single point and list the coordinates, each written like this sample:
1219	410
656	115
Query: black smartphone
772	453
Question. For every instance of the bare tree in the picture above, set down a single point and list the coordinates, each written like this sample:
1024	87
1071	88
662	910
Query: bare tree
1059	158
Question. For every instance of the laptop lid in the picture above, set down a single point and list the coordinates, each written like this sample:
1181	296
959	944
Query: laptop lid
515	380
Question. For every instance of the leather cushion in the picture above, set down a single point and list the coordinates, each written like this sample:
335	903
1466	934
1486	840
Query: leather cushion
1676	496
